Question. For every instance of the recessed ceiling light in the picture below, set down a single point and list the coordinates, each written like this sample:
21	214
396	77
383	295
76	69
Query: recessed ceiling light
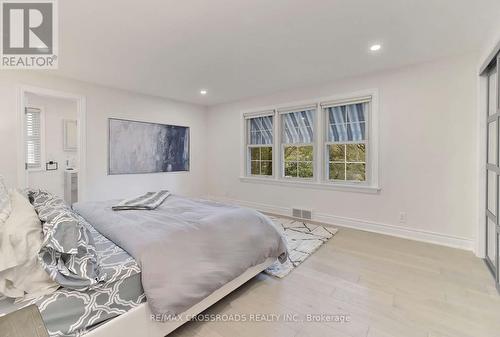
203	92
375	47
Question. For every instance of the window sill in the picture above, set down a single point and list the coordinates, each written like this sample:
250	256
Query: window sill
313	185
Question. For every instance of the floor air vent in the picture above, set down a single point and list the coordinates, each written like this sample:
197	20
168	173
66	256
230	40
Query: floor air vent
302	213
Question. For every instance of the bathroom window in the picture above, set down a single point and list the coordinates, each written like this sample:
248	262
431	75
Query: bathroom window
34	138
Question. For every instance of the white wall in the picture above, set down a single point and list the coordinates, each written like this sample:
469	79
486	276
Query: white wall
428	149
103	103
428	154
56	110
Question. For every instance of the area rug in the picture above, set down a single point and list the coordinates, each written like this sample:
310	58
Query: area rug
303	239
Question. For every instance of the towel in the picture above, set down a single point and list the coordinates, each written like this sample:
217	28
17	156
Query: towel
148	201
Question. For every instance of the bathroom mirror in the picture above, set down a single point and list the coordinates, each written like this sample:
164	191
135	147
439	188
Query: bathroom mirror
70	135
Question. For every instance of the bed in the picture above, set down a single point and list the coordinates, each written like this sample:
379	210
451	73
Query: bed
68	312
139	298
137	321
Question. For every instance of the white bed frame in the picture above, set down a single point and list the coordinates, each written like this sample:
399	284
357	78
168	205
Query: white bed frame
138	322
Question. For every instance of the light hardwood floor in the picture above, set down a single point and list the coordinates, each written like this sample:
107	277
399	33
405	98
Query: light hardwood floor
389	287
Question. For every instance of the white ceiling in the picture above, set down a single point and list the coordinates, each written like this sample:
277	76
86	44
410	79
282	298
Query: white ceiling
242	48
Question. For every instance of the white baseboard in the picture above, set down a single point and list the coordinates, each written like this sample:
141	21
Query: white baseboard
370	226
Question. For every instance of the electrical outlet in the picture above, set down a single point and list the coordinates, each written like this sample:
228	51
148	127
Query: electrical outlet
402	217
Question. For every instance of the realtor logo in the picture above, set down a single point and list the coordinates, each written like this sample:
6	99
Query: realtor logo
29	34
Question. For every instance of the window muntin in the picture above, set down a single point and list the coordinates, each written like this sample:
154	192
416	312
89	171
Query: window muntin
347	162
347	142
33	138
261	160
298	144
349	122
260	146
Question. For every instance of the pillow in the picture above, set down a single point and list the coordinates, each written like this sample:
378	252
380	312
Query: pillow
5	206
68	251
20	242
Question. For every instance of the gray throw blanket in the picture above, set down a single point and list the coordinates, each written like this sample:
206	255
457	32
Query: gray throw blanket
148	201
187	248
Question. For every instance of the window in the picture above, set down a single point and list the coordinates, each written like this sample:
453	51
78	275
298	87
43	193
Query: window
33	138
326	143
347	141
298	143
260	145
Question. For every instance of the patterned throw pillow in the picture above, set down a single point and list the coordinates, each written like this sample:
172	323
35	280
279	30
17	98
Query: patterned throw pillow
68	252
5	206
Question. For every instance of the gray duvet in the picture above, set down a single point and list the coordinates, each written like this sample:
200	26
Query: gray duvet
187	248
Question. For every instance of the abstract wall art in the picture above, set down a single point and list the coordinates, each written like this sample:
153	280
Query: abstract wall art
142	147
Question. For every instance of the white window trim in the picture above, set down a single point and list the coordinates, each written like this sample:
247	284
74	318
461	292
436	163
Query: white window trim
311	184
281	162
246	166
368	149
320	180
42	139
249	160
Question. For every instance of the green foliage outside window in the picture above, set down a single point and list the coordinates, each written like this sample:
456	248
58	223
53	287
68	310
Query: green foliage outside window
347	162
298	161
261	161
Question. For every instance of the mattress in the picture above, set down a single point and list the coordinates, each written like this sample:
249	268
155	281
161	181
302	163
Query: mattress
69	312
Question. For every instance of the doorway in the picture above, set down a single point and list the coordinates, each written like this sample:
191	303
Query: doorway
53	142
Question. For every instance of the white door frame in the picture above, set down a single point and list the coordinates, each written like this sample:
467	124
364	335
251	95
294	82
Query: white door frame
22	179
482	109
